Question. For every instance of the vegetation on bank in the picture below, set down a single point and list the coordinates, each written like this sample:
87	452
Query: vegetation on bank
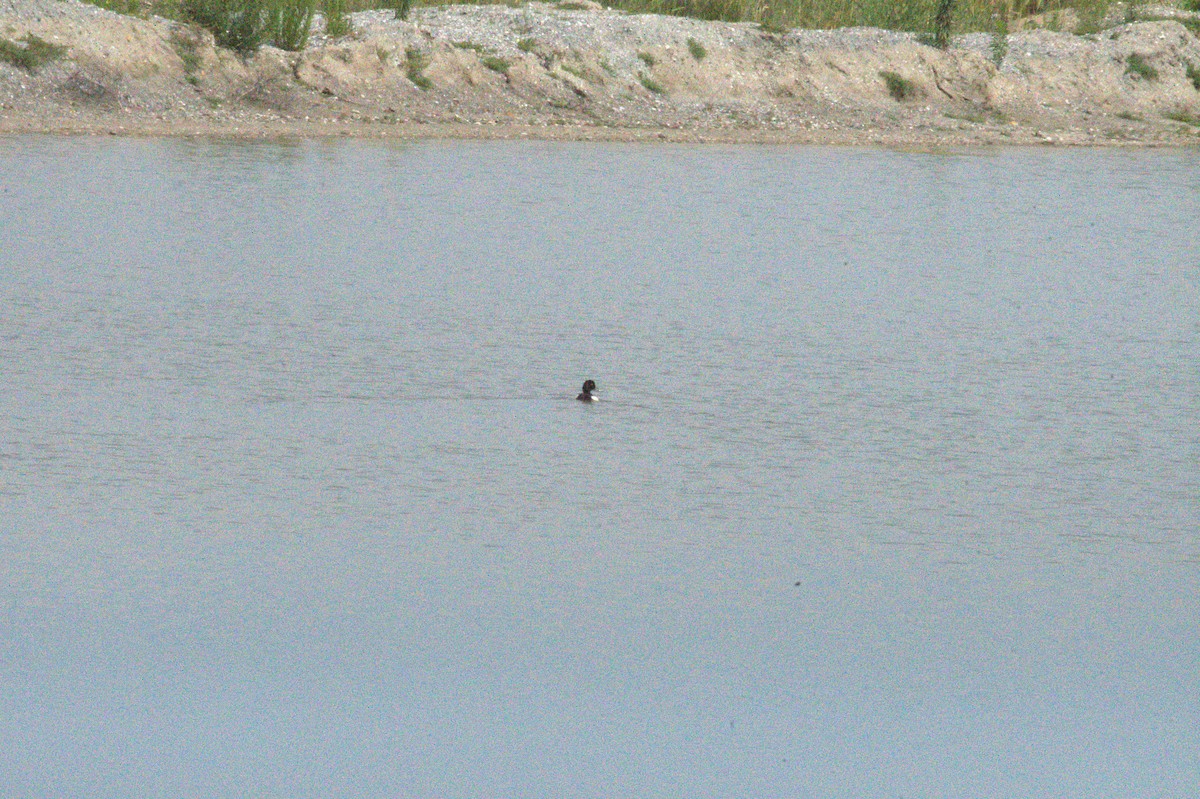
30	53
245	25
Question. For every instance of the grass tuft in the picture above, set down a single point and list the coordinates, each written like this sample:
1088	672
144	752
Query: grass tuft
401	7
527	45
696	49
246	25
130	8
999	43
1184	117
574	69
337	24
415	68
186	47
899	87
496	64
240	25
291	22
647	58
942	19
1193	73
651	84
1138	67
36	53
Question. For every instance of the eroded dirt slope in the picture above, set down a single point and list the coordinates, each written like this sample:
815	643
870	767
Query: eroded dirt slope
542	71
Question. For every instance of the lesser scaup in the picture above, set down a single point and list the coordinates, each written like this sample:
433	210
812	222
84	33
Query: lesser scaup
588	387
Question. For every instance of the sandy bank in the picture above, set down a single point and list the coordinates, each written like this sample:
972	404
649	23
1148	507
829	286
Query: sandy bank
541	72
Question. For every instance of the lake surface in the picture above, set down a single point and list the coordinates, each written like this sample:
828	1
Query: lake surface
893	490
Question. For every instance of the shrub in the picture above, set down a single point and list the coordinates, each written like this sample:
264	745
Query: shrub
241	25
696	49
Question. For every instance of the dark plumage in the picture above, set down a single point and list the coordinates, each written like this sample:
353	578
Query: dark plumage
588	387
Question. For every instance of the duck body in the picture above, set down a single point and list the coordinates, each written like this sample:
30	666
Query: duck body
586	395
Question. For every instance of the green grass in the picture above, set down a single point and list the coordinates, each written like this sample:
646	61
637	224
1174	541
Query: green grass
1184	117
479	48
899	87
337	24
1132	117
240	25
943	18
647	58
651	84
1192	25
696	49
246	25
401	7
495	64
999	43
527	45
1138	67
130	8
186	47
416	62
1193	73
291	23
36	53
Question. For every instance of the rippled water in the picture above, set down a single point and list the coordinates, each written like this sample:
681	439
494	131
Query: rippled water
894	488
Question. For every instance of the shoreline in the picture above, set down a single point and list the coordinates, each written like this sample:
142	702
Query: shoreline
537	72
134	127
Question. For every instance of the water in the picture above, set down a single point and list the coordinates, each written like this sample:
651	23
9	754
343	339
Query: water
893	490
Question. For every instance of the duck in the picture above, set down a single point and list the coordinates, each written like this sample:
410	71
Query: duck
586	396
